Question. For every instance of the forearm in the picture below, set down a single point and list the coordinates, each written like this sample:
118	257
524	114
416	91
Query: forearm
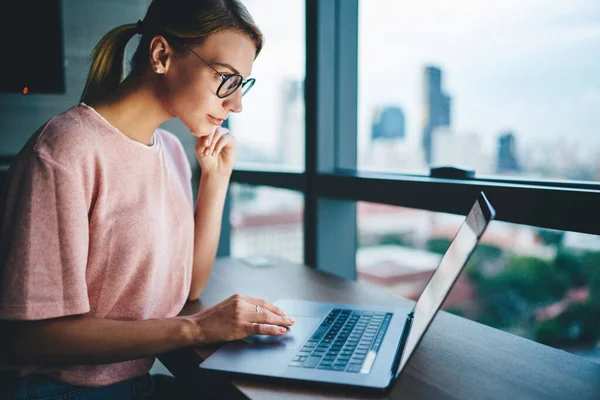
207	229
81	340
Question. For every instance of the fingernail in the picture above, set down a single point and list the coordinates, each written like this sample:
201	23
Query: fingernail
292	320
282	330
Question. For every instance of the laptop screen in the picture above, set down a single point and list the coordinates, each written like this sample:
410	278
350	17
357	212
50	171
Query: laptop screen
452	263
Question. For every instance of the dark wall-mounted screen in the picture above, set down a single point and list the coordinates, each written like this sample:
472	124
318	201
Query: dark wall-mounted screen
32	47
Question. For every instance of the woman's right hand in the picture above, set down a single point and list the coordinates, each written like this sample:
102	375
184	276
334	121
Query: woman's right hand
237	318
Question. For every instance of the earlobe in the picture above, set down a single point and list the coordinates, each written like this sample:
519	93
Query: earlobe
159	54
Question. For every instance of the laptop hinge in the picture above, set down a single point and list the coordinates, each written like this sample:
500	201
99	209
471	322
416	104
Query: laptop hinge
401	344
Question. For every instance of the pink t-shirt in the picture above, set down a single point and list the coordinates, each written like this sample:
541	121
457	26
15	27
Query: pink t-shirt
93	222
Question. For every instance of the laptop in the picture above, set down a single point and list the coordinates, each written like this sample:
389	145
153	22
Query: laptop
361	346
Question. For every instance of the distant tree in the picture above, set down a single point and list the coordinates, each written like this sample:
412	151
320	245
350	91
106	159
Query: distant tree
438	245
534	279
551	237
591	266
577	325
573	265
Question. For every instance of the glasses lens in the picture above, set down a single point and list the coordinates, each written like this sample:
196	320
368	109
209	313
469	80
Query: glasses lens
229	85
246	86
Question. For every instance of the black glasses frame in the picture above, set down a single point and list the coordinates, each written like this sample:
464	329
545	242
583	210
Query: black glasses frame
245	84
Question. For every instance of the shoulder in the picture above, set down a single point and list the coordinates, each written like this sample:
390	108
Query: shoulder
64	139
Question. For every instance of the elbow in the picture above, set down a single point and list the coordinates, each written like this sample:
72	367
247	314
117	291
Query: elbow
195	292
199	282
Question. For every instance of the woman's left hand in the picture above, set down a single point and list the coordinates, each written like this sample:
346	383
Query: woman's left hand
216	153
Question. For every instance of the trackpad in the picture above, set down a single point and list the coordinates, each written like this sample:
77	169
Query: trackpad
295	336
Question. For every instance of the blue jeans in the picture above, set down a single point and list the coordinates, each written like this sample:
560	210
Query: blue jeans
41	387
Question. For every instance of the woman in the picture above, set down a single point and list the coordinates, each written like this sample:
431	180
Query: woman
100	244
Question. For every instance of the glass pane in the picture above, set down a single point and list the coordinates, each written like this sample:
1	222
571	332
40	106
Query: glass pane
266	222
539	284
271	127
501	87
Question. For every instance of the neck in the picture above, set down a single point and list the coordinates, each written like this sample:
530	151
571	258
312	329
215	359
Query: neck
134	109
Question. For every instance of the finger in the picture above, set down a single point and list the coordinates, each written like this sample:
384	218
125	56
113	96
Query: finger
268	317
216	138
264	304
223	141
200	146
262	329
206	142
210	138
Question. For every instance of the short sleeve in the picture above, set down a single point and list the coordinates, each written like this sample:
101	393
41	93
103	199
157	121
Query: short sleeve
44	241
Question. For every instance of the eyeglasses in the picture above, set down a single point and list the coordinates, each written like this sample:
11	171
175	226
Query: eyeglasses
229	82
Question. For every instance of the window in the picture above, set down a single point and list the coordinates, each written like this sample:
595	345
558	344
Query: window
266	222
347	237
270	130
504	88
540	284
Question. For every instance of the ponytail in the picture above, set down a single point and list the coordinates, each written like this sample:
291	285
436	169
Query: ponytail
107	69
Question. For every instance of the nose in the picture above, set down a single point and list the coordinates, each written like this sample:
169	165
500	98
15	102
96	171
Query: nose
233	103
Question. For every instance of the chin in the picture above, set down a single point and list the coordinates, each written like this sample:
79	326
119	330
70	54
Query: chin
203	131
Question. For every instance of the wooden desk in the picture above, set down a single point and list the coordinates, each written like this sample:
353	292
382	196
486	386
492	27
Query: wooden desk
457	359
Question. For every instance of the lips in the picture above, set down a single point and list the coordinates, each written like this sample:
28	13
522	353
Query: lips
215	121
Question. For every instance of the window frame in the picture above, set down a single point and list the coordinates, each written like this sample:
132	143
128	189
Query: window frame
331	184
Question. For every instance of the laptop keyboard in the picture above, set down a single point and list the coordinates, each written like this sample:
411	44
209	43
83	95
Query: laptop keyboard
347	340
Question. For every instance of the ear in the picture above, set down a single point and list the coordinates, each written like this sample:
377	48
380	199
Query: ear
161	54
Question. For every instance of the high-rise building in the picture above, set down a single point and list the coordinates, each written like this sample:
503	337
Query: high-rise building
388	123
436	108
507	154
291	144
462	150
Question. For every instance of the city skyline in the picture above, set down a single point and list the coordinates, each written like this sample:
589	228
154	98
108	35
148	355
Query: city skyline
535	72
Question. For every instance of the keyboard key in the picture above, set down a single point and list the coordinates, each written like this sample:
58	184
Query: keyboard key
311	362
295	364
354	368
326	367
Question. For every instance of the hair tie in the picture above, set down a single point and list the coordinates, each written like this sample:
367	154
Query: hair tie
138	28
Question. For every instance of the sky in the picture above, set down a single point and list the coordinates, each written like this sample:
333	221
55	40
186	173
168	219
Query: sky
531	66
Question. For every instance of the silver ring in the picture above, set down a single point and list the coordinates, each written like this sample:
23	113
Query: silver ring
257	308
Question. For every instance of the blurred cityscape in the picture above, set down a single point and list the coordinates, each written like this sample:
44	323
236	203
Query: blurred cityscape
540	284
441	145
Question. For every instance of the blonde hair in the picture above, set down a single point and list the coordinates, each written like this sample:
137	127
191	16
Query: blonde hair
193	20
